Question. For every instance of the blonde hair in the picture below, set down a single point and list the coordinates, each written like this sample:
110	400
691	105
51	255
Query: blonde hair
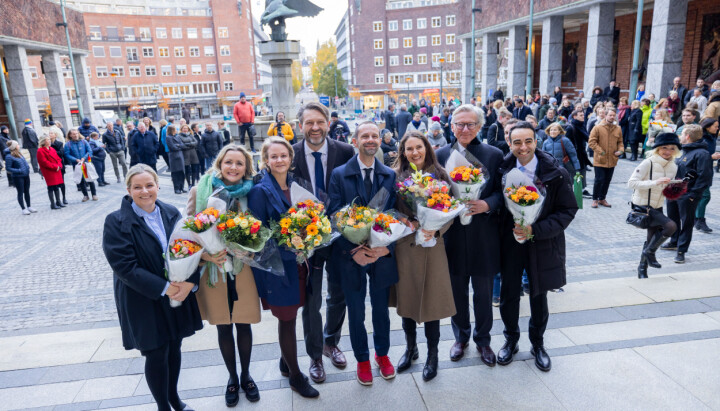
266	146
497	104
662	114
14	148
163	123
138	169
217	163
635	104
654	151
43	138
548	128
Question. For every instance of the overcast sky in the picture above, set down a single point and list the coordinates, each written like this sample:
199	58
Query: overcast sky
310	30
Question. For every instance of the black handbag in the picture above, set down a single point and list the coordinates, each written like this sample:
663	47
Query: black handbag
639	216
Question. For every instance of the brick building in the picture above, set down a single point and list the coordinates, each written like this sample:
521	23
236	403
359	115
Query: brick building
579	44
396	47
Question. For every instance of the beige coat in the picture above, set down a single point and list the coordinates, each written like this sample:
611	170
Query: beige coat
423	291
643	186
213	302
605	139
712	111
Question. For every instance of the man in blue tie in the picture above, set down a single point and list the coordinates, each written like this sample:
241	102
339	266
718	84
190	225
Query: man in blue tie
316	156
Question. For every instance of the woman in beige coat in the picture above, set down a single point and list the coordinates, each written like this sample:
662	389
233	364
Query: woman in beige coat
423	293
229	301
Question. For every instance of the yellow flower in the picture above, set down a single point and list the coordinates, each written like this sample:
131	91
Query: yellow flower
312	230
285	223
243	223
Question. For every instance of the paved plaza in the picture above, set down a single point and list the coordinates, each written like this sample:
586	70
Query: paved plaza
616	342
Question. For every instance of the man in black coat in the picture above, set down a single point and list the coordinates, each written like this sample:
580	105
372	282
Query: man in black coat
339	129
579	136
402	119
542	252
390	119
473	250
30	143
612	92
145	145
331	154
212	143
699	85
521	110
496	132
115	146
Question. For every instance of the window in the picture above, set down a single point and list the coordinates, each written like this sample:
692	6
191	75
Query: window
161	32
181	70
228	86
422	41
436	58
194	51
379	78
379	61
129	33
95	33
224	50
393	43
99	72
134	71
227	68
209	51
145	34
196	69
223	32
115	52
377	26
449	39
394	60
394	79
166	71
392	25
119	71
179	51
450	57
407	42
192	33
211	69
112	33
148	52
422	59
132	53
164	51
206	33
150	71
98	51
34	74
407	60
422	23
436	40
378	44
435	22
407	24
450	20
176	33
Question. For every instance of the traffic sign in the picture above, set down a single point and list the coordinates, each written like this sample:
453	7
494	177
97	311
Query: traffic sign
325	100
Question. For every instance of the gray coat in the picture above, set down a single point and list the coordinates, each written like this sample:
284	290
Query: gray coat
175	156
189	153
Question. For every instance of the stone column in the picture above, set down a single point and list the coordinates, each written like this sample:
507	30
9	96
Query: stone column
467	80
517	64
280	55
551	54
666	45
56	87
598	58
489	71
22	92
82	88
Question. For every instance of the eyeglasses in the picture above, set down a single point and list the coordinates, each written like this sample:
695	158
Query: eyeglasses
461	126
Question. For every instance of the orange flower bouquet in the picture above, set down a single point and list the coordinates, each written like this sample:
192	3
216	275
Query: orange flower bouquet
387	229
243	235
182	257
202	224
523	199
303	228
466	180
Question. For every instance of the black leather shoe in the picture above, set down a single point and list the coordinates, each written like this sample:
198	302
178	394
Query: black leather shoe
542	359
284	370
680	257
431	366
411	354
669	246
232	397
301	385
457	351
65	201
59	204
251	390
505	355
487	355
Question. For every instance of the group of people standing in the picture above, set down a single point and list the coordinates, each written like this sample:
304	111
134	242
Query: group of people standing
426	284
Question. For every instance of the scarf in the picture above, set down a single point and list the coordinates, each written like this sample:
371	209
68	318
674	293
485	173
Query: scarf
416	123
209	183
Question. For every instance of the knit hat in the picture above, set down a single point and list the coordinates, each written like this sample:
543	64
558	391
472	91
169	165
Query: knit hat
435	126
666	139
334	114
28	121
423	110
435	118
242	94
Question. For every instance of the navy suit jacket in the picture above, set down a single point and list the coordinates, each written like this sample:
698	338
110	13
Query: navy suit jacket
522	112
346	186
145	147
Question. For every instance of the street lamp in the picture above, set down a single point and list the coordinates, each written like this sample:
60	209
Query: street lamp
117	97
408	80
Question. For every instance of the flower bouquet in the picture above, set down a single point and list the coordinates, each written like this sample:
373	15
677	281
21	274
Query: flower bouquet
657	127
467	181
243	235
523	199
354	222
386	229
202	224
182	257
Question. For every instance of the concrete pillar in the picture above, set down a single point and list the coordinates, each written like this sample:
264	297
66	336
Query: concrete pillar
517	64
551	54
56	87
666	45
598	58
467	80
280	55
489	71
21	88
82	89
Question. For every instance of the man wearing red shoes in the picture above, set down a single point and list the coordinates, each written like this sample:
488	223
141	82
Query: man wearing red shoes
358	268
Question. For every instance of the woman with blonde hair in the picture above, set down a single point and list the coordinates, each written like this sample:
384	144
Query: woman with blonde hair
662	123
16	164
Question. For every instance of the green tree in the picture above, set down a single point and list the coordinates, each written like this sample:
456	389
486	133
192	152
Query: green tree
326	54
326	82
297	77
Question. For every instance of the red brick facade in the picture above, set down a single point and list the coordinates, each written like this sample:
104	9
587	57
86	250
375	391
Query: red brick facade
35	20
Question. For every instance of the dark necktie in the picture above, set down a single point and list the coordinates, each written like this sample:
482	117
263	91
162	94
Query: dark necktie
319	173
368	182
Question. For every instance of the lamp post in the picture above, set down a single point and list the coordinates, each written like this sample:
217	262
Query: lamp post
408	80
72	60
117	97
442	60
157	109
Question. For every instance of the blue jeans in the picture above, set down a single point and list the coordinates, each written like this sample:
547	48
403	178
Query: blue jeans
496	286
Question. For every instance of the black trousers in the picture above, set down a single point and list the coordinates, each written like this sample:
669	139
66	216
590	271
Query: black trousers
162	371
603	176
178	180
315	335
22	186
682	212
432	331
514	262
660	222
245	128
482	307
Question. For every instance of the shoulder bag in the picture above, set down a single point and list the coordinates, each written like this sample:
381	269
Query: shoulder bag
639	216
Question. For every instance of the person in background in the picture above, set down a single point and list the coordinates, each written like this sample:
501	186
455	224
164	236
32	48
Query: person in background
541	136
389	116
566	108
681	93
114	143
557	94
118	127
98	155
130	133
674	104
389	148
199	148
490	118
50	166
58	131
561	148
281	128
416	124
701	87
4	140
77	151
521	110
640	92
612	92
687	117
713	108
225	132
30	143
244	115
212	143
699	99
710	133
163	149
190	157
339	130
496	132
16	164
623	113
606	142
60	152
550	117
445	121
86	128
436	137
578	135
597	96
402	119
177	159
150	127
145	145
635	129
414	108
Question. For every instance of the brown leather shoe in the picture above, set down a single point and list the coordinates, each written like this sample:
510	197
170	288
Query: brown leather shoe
336	356
604	203
457	351
317	370
487	355
594	204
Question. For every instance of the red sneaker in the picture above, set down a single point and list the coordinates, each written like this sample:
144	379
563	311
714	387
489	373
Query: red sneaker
387	370
364	373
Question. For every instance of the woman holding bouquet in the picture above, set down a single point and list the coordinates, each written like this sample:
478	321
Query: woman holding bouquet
234	300
423	293
282	295
134	240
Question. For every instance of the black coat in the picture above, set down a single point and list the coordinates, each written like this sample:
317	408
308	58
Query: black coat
145	147
136	257
402	119
612	93
199	148
490	119
498	95
546	251
390	122
522	112
29	138
578	134
635	134
339	130
474	249
114	141
496	137
338	154
212	143
695	157
596	98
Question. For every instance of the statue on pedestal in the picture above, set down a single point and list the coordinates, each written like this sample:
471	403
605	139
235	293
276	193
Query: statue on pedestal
276	11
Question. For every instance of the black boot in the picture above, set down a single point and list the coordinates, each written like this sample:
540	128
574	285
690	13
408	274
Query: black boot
431	364
650	248
300	384
634	151
642	268
52	200
702	226
411	352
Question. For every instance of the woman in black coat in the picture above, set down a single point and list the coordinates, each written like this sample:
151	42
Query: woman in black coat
578	134
635	134
199	148
134	240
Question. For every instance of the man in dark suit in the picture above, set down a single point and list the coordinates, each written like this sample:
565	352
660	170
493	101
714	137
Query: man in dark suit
390	119
402	119
356	268
521	110
544	257
612	92
145	144
473	252
316	156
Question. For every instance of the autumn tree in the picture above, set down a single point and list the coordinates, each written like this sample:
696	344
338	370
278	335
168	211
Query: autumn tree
297	76
324	71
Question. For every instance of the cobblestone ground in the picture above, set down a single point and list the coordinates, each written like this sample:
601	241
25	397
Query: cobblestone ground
53	272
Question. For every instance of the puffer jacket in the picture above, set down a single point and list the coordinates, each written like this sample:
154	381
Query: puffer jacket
17	166
114	141
643	186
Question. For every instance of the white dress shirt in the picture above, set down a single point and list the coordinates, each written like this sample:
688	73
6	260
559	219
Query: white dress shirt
310	160
528	169
363	167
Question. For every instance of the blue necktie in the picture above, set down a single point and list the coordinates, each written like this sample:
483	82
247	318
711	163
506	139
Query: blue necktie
319	173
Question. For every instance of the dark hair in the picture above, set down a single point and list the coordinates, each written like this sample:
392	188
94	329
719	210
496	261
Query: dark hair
576	112
364	123
313	105
519	100
277	114
522	125
403	164
193	126
707	123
